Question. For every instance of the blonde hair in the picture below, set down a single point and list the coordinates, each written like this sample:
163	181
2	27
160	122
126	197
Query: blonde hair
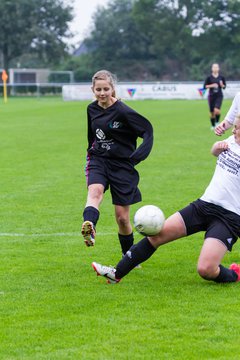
108	76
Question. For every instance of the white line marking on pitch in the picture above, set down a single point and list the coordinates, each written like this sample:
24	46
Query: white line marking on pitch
53	234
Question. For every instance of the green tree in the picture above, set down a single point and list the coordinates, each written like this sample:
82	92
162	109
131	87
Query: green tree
82	66
164	39
188	35
37	27
115	41
165	25
218	40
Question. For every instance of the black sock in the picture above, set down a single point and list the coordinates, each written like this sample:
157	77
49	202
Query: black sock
92	214
134	256
212	119
126	242
226	275
217	118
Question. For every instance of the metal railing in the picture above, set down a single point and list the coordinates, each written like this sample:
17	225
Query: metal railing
33	89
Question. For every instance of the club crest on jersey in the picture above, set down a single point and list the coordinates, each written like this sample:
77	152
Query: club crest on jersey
115	125
100	134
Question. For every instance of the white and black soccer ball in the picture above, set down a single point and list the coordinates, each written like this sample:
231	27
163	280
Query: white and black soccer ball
149	220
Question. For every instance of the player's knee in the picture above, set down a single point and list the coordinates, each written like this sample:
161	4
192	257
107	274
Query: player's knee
217	111
96	193
122	220
206	270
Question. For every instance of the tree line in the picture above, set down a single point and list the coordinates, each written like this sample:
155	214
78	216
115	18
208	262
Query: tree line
33	33
136	39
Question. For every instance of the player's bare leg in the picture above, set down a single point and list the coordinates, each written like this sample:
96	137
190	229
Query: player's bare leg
173	229
210	257
209	261
122	214
125	233
95	195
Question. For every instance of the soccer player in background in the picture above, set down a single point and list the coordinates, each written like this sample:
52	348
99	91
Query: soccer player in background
217	213
215	83
112	153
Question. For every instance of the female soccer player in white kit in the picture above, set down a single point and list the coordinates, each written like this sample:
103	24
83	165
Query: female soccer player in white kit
217	213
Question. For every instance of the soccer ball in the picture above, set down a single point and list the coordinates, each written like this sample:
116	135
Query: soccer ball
148	220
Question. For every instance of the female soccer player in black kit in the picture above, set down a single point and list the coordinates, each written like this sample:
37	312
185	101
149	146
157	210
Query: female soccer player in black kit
215	83
113	129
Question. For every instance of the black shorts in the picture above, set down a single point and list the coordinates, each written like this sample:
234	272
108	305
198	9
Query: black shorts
215	101
119	175
218	222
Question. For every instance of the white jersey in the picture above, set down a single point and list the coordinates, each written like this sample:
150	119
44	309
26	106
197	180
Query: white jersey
234	109
224	188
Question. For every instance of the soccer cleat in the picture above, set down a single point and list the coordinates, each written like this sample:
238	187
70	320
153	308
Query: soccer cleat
88	233
106	271
236	268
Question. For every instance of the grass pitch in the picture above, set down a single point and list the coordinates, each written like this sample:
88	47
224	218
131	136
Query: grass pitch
52	305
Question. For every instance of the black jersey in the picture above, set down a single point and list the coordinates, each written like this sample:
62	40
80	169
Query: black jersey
113	132
215	80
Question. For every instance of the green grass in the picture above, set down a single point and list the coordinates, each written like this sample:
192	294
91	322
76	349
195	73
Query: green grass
52	306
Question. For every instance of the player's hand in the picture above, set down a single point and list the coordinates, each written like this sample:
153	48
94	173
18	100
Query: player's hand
221	83
221	146
220	129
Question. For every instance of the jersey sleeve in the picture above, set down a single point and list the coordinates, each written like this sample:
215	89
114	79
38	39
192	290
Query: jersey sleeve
206	82
224	82
89	131
143	129
229	139
234	109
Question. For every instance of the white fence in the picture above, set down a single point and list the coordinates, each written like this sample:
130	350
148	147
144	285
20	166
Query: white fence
153	90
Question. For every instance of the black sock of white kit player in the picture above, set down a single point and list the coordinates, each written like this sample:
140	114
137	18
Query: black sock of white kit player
226	275
134	256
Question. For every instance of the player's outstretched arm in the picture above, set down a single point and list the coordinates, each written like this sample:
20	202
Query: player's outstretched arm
222	127
219	147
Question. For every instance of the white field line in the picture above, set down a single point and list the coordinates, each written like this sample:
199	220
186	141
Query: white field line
66	234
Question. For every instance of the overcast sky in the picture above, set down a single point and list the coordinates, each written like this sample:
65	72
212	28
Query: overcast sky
83	10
